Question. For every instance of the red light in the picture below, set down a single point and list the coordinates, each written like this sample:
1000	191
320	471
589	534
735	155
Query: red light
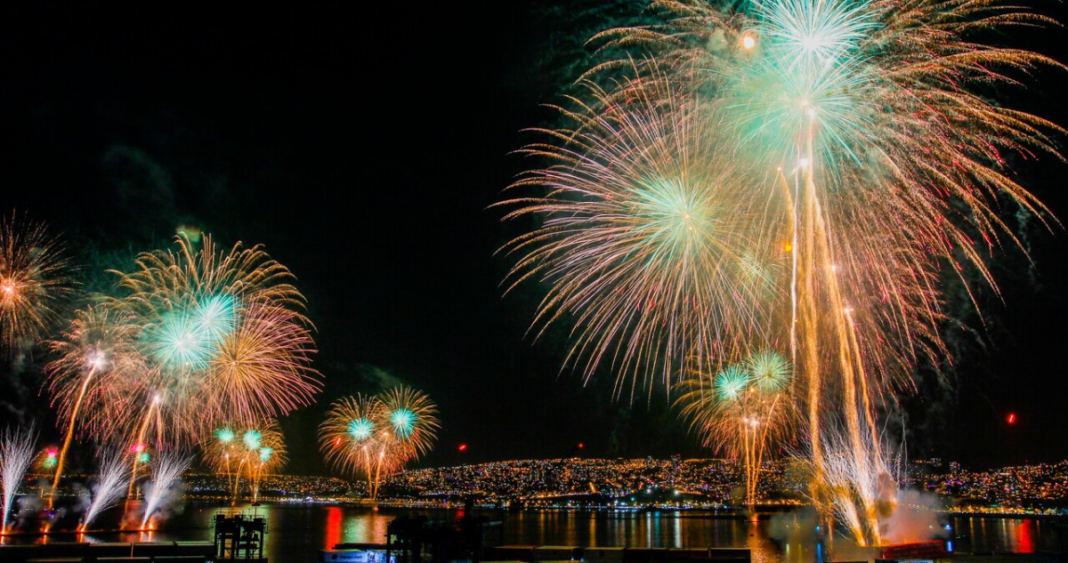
337	442
137	448
52	453
462	448
1012	418
581	445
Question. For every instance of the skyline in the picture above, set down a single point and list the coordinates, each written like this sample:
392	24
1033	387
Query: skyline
406	280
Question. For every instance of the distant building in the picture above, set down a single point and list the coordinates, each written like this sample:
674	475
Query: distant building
922	467
676	469
954	467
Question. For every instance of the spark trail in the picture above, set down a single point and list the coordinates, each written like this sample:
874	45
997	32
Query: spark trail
110	482
165	476
16	455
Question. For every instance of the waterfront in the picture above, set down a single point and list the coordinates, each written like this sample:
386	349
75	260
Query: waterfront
298	530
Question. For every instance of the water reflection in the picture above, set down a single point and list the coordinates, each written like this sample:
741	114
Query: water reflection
1025	532
297	531
1004	535
333	526
650	529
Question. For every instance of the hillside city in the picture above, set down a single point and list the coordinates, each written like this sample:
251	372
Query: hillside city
672	484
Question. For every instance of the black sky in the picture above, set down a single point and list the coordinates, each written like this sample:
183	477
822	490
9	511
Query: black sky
362	147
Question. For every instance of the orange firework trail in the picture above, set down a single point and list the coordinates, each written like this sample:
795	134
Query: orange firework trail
95	372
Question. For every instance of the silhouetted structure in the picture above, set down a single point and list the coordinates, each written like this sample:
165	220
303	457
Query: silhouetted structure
239	538
1059	553
411	540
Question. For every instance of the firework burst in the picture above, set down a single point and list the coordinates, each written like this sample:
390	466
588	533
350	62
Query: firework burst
377	435
347	434
357	436
649	239
743	410
262	368
837	104
411	417
96	369
223	335
199	336
34	282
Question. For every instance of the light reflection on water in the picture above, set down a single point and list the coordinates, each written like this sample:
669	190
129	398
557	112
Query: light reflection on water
1014	535
297	531
648	529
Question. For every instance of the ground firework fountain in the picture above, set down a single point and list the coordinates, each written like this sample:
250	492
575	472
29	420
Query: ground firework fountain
109	487
16	454
166	474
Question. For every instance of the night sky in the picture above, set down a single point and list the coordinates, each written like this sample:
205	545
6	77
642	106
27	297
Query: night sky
363	147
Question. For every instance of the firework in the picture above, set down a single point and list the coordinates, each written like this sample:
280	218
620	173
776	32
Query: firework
16	455
225	436
96	370
268	354
220	452
411	417
348	434
650	240
198	336
96	366
868	487
263	461
825	114
378	435
222	335
743	410
252	439
109	486
139	450
34	282
255	452
165	476
48	458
